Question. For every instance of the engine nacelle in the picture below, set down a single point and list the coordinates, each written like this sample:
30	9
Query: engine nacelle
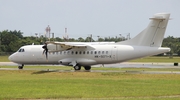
65	61
81	61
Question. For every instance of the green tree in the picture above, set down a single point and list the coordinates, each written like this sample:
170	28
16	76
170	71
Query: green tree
19	34
80	39
100	39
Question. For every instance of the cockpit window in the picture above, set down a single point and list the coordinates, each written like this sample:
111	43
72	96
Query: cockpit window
21	50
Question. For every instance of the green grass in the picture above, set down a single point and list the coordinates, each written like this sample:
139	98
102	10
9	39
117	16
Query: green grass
4	59
29	84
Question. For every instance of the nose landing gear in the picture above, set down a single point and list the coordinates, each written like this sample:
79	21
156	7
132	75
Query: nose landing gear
21	66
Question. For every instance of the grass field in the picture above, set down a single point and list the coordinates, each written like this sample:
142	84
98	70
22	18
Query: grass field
4	59
34	84
29	84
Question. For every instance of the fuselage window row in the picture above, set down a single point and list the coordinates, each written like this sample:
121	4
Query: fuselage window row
74	52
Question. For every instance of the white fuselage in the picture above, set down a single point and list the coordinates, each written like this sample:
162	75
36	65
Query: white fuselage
148	42
101	54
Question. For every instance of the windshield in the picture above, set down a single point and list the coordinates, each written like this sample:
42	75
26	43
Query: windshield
21	50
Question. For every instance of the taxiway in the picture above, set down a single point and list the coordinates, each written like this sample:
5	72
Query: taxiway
118	65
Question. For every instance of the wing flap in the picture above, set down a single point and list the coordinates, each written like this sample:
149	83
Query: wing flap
70	45
60	46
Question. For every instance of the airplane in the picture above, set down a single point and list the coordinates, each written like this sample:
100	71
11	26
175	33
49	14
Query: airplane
77	54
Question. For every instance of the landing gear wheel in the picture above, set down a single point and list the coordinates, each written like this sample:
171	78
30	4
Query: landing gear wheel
77	67
87	67
21	66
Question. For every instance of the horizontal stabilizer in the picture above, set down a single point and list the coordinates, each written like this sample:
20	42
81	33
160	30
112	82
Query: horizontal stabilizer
157	18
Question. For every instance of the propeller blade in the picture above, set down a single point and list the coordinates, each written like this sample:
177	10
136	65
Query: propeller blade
46	54
45	50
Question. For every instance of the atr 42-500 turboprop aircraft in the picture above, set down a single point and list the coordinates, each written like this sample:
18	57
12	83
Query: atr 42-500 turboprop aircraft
77	54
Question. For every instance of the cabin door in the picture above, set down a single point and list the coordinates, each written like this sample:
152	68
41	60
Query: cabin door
114	53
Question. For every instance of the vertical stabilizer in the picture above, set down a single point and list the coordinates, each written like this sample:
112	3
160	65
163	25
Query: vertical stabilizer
152	35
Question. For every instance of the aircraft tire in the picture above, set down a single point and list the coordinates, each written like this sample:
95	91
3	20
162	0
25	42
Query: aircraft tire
20	67
77	67
87	67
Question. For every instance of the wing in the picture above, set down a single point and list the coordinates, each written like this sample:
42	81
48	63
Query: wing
61	46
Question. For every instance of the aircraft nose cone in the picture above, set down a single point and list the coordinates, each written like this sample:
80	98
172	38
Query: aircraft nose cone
10	57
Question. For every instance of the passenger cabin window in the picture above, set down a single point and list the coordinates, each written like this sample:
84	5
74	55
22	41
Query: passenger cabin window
99	52
91	52
21	50
102	52
68	52
95	52
87	52
106	52
84	52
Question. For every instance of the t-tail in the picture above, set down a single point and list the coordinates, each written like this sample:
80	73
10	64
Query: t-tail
153	34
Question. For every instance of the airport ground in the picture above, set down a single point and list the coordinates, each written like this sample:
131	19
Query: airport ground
162	59
125	81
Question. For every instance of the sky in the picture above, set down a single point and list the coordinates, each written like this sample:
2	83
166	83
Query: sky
104	18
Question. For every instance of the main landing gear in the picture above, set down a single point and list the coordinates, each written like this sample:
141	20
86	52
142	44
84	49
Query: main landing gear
87	67
21	66
78	67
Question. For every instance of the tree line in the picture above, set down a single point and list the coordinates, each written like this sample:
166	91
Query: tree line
11	41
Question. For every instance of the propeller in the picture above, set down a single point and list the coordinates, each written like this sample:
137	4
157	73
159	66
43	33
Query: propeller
45	50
